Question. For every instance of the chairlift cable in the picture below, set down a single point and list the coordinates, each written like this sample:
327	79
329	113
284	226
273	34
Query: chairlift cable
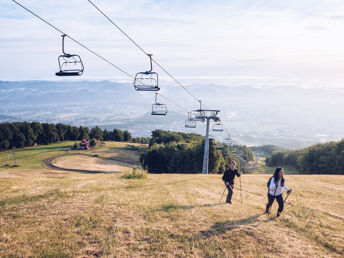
160	66
63	33
138	46
173	102
76	41
109	62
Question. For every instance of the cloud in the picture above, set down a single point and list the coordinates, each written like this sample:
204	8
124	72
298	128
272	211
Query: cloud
191	38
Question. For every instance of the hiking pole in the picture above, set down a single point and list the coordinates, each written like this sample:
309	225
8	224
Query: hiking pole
287	196
240	188
223	194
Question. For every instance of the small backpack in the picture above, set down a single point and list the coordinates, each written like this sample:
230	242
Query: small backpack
268	183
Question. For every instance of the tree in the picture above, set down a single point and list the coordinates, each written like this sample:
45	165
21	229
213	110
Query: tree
6	136
61	131
83	132
72	133
96	133
37	129
18	139
93	143
126	136
26	129
117	135
106	135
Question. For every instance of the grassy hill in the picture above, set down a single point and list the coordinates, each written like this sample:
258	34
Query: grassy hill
47	212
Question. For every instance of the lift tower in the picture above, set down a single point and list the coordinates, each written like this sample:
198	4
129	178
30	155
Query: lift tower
206	115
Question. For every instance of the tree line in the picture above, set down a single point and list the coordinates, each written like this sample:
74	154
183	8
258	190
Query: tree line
327	158
175	152
25	134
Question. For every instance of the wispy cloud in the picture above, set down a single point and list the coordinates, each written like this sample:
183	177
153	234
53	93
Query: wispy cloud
264	38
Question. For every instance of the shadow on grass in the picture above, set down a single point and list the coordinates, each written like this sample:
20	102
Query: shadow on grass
46	148
173	207
219	228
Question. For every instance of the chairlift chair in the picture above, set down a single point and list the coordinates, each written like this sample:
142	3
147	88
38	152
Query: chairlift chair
190	123
218	127
69	64
158	109
194	116
147	81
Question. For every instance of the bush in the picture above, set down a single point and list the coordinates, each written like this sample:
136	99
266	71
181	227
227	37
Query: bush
135	173
75	146
93	143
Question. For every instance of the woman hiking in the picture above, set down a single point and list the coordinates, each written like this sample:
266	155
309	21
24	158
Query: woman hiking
277	183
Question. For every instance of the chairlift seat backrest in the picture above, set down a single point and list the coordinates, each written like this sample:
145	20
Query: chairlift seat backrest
146	81
218	127
159	109
193	115
190	123
69	64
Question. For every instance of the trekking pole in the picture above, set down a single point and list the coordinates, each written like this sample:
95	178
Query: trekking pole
240	188
287	196
223	194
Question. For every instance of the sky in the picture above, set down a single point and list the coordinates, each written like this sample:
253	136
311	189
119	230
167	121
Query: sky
298	42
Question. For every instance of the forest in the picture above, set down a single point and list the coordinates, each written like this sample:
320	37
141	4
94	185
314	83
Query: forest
174	152
25	134
327	158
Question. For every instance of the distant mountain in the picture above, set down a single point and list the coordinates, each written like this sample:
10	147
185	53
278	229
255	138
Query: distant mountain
288	116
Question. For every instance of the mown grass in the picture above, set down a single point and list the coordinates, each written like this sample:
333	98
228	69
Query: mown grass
32	157
70	214
48	213
261	168
135	173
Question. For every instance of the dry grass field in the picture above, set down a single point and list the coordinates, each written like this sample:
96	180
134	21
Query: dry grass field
56	213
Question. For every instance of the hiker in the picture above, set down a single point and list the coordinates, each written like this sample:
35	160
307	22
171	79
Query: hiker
276	185
228	178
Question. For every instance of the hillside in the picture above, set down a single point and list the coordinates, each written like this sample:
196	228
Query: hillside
287	116
48	212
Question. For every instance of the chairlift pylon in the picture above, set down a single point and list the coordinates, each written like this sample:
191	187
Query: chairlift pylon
69	64
148	80
158	109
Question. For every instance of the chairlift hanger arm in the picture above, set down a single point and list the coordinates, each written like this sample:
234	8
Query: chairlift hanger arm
151	65
63	38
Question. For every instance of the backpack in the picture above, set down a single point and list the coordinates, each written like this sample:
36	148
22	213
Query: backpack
268	183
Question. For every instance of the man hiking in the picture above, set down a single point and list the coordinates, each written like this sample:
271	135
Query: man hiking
228	178
276	185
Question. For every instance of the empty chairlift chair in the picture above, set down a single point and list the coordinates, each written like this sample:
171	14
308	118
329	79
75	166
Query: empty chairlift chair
69	64
147	81
158	109
218	127
189	123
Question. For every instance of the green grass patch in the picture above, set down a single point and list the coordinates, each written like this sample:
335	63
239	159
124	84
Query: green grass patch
33	198
135	173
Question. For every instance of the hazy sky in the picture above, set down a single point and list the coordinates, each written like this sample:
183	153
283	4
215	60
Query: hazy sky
297	42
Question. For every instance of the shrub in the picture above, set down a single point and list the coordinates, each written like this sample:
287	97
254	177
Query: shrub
135	173
75	146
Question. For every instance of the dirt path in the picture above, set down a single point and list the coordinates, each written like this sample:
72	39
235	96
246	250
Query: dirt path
86	164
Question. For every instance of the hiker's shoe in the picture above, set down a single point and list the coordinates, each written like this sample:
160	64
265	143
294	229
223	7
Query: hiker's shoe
229	202
278	214
267	212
